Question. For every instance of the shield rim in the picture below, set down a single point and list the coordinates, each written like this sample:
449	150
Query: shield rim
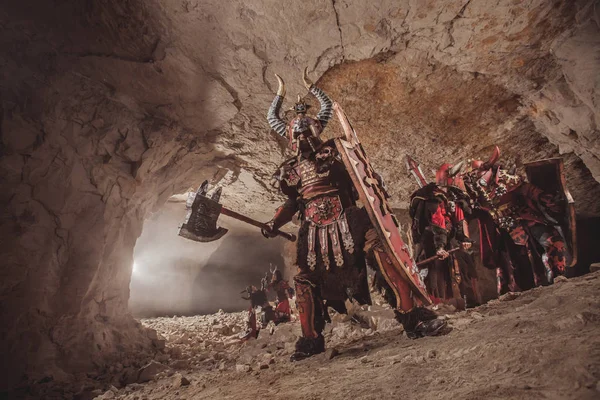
351	142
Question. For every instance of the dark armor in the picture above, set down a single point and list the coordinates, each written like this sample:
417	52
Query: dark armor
519	236
258	298
336	236
438	212
438	225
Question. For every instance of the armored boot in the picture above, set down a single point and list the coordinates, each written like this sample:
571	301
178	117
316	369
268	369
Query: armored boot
307	347
420	322
312	321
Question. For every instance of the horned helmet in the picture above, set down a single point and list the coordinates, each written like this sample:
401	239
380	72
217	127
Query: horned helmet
485	171
302	132
449	175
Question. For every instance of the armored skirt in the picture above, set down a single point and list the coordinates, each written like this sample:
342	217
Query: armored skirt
318	258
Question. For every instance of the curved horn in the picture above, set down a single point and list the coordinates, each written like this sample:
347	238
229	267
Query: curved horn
456	168
281	88
275	122
326	111
493	158
305	79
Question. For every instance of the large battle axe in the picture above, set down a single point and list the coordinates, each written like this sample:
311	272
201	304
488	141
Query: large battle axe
201	222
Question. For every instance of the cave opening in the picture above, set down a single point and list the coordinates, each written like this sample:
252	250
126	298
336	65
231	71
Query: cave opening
172	275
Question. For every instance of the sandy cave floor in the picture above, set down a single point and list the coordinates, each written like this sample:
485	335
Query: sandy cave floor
541	344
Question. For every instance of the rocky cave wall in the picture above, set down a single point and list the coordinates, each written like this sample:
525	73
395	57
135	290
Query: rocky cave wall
109	107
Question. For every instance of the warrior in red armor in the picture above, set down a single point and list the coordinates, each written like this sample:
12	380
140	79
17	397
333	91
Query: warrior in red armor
336	236
520	232
438	224
283	291
258	299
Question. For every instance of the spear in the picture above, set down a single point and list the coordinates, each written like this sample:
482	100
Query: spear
433	258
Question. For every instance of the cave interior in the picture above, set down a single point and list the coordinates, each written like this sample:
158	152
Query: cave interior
110	108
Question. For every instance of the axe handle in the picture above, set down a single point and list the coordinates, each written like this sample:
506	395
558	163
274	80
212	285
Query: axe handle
289	236
430	259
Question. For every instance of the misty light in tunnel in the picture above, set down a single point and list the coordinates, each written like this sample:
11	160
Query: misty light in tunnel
135	268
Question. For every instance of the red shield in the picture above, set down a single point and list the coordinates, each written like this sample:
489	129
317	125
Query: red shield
372	196
549	176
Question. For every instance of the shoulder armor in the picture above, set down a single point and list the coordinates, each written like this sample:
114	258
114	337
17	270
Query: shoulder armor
282	173
287	172
511	181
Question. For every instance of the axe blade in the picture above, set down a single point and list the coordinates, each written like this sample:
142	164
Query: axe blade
201	222
186	233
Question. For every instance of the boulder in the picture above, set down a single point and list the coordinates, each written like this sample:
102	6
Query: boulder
179	381
150	370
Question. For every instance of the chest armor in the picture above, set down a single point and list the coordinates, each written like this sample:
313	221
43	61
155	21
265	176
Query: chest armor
309	176
323	210
446	210
312	177
304	176
500	204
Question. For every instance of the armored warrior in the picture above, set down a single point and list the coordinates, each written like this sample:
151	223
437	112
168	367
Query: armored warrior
438	222
527	233
258	298
336	236
283	292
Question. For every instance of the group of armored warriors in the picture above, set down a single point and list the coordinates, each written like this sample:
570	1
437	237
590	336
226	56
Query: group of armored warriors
259	299
519	224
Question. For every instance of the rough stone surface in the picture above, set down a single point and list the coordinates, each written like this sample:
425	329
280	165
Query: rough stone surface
180	380
150	371
331	353
242	368
109	108
542	344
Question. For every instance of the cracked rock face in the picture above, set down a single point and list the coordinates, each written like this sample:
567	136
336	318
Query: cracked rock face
109	108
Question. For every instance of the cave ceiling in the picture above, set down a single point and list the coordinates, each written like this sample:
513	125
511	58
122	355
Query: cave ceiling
156	96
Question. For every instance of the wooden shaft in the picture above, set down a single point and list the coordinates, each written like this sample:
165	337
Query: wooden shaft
430	259
289	236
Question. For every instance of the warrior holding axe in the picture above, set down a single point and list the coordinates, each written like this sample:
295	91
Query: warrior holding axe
337	238
200	223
